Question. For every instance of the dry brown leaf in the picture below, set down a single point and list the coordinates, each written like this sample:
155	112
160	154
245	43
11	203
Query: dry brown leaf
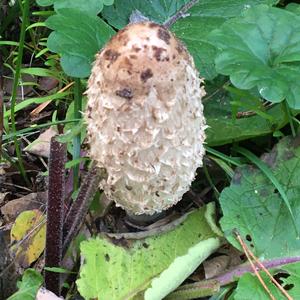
48	83
22	90
215	266
14	207
41	146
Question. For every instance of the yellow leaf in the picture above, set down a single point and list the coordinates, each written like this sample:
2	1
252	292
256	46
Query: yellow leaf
28	236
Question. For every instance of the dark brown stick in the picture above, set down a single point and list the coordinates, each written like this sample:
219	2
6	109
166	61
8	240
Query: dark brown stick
1	102
55	214
80	206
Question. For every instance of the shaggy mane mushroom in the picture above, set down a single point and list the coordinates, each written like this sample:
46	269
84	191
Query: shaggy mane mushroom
145	118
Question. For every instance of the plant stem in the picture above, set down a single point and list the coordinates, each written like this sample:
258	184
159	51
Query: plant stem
1	103
77	138
211	286
80	206
195	290
208	177
240	270
55	214
290	117
180	14
15	86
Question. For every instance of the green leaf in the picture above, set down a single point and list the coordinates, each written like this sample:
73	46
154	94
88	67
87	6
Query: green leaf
250	288
253	206
71	130
158	10
127	267
225	128
294	8
180	269
38	100
265	169
45	2
77	37
92	7
193	30
58	270
262	49
28	287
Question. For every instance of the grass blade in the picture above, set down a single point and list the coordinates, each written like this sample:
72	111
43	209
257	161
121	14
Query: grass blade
15	86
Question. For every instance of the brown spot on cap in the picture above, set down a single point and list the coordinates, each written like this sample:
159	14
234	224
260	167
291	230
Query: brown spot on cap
133	56
111	55
153	25
125	93
164	35
157	52
89	111
136	49
146	75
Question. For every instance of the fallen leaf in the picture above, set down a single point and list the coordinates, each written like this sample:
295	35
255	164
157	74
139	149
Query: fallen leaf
22	90
47	83
215	266
28	236
14	207
41	146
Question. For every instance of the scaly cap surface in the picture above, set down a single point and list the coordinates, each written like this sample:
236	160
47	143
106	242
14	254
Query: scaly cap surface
145	118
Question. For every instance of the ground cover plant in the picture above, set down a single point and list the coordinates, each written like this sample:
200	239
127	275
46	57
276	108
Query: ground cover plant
235	234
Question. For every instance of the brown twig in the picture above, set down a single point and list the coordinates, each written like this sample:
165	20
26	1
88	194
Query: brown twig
245	248
283	291
1	102
180	14
42	106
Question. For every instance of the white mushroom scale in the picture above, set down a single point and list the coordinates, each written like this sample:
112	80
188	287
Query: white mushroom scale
145	118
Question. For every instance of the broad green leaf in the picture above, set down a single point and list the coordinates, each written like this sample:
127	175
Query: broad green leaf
121	269
28	287
294	8
77	37
262	49
92	7
193	30
250	288
253	205
157	10
28	235
225	127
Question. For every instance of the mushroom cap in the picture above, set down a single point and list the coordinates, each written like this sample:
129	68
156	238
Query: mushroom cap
145	118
